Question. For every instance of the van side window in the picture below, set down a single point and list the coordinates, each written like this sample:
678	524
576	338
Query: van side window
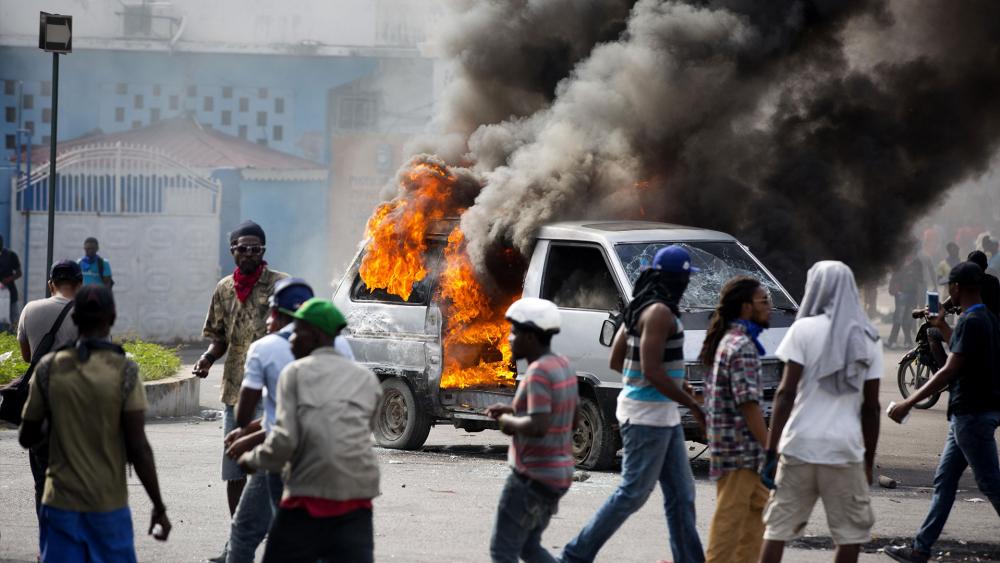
361	292
577	277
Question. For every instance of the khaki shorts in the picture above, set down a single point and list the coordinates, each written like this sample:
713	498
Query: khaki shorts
844	490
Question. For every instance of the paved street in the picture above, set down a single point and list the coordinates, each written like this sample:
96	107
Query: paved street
438	504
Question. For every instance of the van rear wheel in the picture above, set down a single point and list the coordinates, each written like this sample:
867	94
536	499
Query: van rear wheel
400	422
594	444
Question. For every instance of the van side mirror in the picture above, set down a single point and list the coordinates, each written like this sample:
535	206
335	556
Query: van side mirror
608	330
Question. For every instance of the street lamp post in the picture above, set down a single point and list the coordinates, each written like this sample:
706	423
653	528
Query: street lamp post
55	35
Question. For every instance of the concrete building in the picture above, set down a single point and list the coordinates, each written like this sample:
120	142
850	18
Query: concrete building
342	83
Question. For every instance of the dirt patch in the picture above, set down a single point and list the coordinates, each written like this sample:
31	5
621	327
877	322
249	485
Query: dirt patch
944	550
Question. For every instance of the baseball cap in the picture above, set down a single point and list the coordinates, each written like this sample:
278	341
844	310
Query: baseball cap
674	259
320	313
534	313
966	273
289	294
65	270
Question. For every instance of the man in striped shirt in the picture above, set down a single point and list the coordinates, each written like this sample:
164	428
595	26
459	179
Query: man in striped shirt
649	352
541	421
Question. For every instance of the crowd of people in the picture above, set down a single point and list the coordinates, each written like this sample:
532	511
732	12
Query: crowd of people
301	471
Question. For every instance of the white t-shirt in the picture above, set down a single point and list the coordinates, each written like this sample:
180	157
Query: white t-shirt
823	428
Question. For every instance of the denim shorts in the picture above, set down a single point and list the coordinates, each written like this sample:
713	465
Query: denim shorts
230	469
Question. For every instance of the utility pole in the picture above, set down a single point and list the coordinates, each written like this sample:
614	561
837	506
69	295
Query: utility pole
55	35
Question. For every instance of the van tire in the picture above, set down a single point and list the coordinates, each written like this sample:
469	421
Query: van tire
594	444
400	422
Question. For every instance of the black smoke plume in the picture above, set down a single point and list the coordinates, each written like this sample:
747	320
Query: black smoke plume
812	130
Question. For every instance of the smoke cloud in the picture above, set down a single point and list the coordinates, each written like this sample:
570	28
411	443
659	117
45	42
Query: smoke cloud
810	129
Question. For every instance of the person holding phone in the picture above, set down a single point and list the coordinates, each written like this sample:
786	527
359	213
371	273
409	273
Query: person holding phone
972	376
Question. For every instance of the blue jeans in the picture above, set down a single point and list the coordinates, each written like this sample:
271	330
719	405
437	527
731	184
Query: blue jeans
971	442
522	515
253	516
652	453
98	537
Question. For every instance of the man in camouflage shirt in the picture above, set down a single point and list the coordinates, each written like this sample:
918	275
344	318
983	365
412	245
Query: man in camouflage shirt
736	428
237	317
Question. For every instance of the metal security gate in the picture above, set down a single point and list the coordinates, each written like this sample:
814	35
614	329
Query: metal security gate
157	220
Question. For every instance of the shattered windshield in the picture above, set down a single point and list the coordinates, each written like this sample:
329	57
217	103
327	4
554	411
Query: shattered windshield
718	261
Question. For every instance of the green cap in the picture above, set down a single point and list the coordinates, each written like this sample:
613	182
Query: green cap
320	313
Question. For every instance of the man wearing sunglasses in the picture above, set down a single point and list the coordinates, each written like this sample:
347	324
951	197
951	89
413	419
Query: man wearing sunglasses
236	318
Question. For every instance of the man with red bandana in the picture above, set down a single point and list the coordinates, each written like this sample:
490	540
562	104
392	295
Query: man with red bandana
236	318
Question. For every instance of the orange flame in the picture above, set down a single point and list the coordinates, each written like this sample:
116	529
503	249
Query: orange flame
475	335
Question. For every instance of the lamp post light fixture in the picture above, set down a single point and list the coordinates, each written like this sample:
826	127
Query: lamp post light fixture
55	35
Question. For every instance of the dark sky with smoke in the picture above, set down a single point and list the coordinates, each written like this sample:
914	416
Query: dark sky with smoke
809	129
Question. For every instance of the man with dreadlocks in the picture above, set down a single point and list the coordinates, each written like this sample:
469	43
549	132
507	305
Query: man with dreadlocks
736	428
649	352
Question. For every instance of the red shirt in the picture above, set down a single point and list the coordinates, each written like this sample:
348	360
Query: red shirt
326	508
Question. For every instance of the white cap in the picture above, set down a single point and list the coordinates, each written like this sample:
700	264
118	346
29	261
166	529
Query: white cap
532	312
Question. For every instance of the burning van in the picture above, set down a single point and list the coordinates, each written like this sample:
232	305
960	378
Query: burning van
435	335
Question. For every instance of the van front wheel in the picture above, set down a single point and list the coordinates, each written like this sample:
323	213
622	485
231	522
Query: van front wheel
594	445
400	422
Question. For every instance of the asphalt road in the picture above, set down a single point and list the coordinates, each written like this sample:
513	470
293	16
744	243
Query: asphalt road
438	504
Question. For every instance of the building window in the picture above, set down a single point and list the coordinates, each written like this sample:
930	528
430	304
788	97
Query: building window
209	103
174	102
136	124
46	88
46	115
121	88
119	115
8	87
244	104
262	118
277	132
156	90
243	132
227	92
46	139
138	101
262	93
30	126
11	142
227	117
28	101
154	115
279	105
262	142
356	112
10	113
192	91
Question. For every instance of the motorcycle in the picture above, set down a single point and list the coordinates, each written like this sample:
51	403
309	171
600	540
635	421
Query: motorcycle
922	361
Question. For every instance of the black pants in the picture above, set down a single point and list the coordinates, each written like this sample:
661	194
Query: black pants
296	536
38	458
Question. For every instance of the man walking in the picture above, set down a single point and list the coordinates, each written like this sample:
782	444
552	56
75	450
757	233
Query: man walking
989	290
40	318
94	401
826	418
266	358
972	376
540	419
236	318
649	352
10	271
96	270
949	262
322	431
736	428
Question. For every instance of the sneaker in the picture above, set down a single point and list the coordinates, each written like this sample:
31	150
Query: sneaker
906	553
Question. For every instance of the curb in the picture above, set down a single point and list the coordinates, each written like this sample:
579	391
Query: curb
173	396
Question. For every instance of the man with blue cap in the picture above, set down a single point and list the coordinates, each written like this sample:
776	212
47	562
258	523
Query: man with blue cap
266	358
649	352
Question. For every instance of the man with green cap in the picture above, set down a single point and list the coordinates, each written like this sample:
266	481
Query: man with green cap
321	441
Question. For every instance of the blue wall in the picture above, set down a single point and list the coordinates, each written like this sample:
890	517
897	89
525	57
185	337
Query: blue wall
294	217
118	90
